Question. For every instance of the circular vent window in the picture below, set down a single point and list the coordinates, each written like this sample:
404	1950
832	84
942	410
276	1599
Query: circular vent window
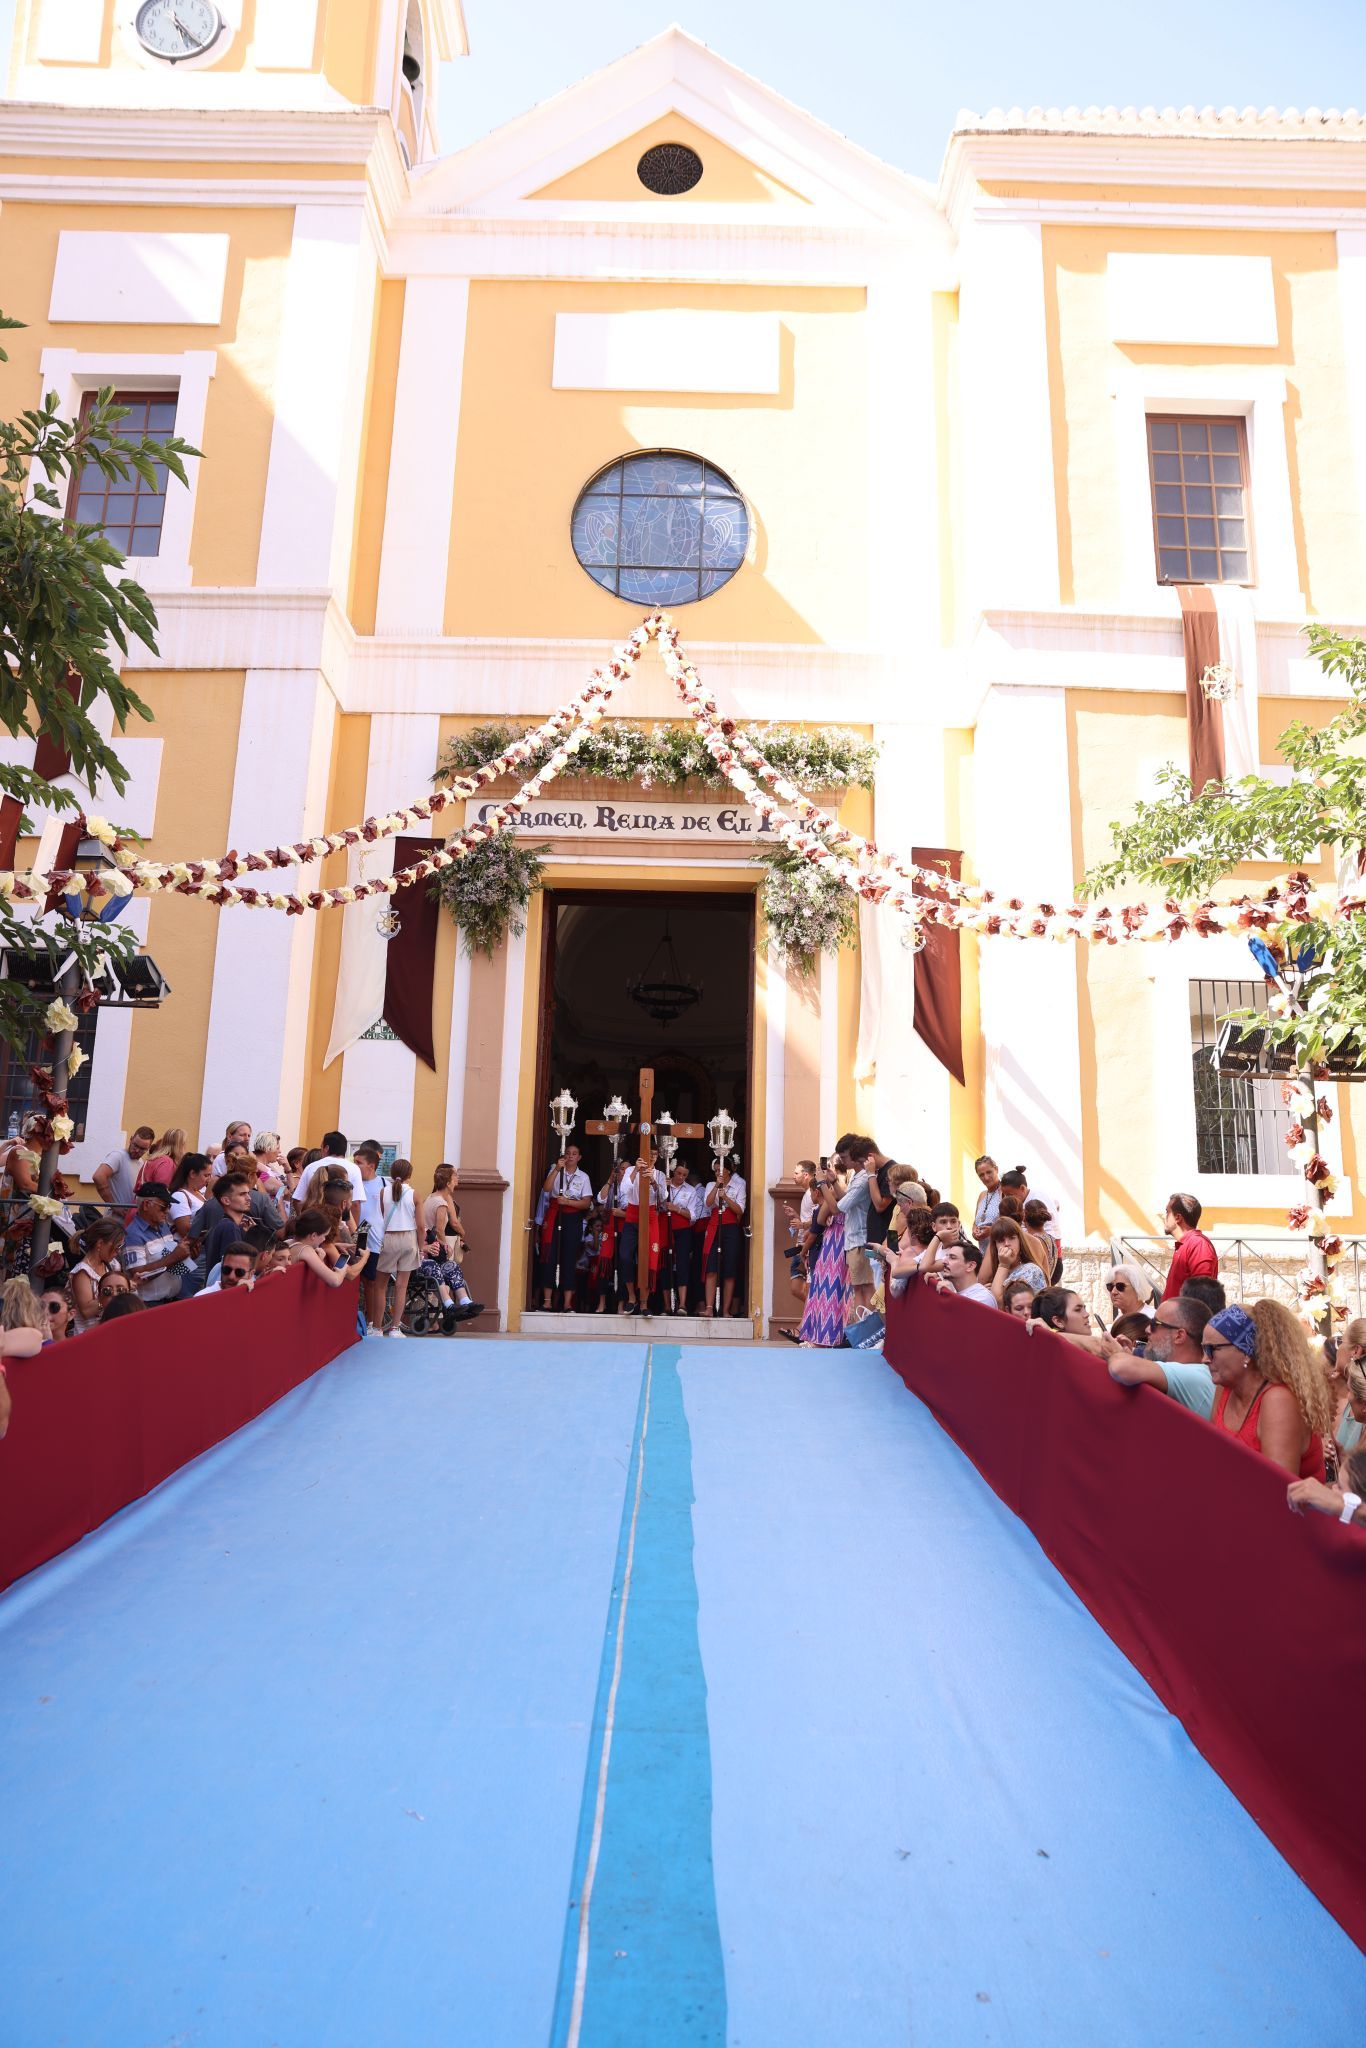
669	168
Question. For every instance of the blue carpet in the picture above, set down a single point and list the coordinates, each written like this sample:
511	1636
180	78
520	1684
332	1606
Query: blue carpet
301	1751
947	1810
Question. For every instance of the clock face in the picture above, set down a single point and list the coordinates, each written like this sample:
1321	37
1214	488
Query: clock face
176	29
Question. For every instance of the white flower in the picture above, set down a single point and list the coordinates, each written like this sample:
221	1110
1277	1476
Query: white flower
62	1126
75	1060
58	1016
101	829
279	900
43	1205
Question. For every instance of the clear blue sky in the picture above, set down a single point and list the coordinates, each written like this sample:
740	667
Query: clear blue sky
892	75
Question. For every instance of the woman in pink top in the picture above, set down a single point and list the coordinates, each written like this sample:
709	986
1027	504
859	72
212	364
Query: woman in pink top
1195	1257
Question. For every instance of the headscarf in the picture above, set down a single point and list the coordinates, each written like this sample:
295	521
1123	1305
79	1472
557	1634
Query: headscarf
1236	1327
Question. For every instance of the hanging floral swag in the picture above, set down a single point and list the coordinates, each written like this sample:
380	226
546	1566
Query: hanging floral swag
806	911
672	756
487	892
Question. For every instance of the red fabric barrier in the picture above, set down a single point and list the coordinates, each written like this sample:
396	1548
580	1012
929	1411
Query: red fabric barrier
1249	1623
100	1420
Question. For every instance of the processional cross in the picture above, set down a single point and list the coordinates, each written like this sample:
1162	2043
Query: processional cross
612	1127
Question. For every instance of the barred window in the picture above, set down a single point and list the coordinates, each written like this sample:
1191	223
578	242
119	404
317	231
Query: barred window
1199	475
1240	1120
18	1097
128	509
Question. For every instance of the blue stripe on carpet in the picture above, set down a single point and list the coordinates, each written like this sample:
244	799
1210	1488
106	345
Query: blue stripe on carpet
642	1955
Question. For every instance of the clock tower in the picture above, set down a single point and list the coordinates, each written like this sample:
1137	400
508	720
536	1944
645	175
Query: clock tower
239	56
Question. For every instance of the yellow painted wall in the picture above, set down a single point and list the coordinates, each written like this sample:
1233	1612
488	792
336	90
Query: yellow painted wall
344	46
197	717
526	451
727	177
1116	742
239	415
376	444
1310	349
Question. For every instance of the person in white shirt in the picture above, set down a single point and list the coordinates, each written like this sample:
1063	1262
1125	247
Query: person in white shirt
334	1154
236	1138
957	1274
723	1200
569	1197
613	1210
373	1283
399	1254
628	1233
685	1204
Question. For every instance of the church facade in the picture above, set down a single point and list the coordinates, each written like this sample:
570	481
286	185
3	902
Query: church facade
923	462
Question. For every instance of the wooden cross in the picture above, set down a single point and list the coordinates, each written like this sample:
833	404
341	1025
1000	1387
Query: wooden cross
612	1127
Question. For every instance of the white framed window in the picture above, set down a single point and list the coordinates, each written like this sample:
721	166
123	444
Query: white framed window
73	375
1248	1165
1241	1121
1254	395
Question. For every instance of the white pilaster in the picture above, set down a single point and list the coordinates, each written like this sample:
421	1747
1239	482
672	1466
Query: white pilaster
1352	298
379	1075
1008	485
258	1020
509	1095
1029	1001
903	494
319	385
775	1089
417	515
828	1097
460	1042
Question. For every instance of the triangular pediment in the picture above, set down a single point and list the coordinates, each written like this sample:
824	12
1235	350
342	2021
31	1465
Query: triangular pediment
579	151
728	177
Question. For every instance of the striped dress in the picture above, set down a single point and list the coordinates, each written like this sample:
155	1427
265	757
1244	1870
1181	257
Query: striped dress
827	1295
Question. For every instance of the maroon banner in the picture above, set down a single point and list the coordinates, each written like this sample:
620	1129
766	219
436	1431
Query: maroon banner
1204	715
410	968
100	1420
938	1006
1245	1620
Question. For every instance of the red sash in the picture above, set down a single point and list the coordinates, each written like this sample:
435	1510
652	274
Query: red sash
656	1233
720	1217
607	1249
548	1222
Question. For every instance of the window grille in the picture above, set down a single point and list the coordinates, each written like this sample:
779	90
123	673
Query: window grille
1198	472
18	1096
1240	1120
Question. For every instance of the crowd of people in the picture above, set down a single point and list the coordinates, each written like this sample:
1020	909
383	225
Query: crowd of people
869	1227
176	1223
588	1244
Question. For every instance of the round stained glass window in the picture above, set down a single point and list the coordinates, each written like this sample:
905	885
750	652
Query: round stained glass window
660	529
669	168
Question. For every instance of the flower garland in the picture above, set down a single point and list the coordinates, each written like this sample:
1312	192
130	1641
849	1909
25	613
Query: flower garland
1317	1285
922	896
672	757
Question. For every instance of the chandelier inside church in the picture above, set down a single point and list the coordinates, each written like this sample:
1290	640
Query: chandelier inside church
663	990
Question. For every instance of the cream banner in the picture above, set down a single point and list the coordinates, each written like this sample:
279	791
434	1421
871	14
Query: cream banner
632	817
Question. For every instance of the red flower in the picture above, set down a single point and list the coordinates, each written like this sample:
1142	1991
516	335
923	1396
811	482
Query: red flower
1317	1169
1297	1217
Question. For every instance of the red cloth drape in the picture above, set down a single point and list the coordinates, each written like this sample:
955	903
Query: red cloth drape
938	1008
100	1420
1204	715
1245	1620
410	969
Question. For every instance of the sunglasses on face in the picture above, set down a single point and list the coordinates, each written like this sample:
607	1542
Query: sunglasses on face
1208	1350
233	1274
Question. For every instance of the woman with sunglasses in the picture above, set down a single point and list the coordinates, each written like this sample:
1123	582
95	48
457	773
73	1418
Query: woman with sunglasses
1129	1293
1268	1391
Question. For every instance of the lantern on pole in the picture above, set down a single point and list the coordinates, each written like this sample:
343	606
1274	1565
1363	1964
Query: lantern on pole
617	1112
563	1109
721	1132
667	1142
